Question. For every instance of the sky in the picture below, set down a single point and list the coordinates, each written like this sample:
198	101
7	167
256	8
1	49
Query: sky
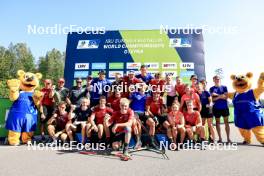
238	51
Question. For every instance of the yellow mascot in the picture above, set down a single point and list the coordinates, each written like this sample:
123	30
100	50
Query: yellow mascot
247	109
22	117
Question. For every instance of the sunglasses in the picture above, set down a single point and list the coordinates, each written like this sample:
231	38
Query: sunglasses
79	82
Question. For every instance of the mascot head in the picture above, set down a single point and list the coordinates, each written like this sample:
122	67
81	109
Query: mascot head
242	83
29	81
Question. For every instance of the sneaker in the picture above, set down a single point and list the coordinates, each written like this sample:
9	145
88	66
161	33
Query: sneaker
229	141
138	145
125	153
125	156
54	141
43	138
245	143
219	141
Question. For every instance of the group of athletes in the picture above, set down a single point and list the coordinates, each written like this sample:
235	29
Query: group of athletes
177	109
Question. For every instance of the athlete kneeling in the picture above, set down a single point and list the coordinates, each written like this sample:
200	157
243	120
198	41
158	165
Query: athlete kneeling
96	121
155	115
57	123
121	123
78	119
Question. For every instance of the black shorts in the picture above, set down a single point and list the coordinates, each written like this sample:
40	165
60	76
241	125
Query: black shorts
47	111
78	128
161	119
170	100
119	137
57	128
221	112
206	112
142	117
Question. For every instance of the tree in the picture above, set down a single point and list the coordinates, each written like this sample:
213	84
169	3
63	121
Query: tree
24	58
52	65
19	56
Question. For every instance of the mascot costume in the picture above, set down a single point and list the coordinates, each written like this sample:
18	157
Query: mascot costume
22	117
249	115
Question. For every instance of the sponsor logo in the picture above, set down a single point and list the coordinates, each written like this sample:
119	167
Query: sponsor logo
99	66
81	66
186	73
173	73
180	42
81	74
116	65
88	44
135	71
112	74
152	65
187	65
169	65
133	65
95	74
152	72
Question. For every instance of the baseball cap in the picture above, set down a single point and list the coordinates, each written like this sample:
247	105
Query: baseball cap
47	81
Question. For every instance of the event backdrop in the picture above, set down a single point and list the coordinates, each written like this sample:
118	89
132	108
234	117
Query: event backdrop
119	51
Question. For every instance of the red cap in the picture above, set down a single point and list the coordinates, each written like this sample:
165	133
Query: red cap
61	80
47	81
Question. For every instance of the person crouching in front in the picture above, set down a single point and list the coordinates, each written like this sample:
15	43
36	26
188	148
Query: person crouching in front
121	125
57	123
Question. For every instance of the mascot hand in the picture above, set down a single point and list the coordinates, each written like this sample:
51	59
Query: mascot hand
261	76
13	84
261	81
38	95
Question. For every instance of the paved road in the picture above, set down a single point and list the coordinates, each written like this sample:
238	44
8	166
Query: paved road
246	160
